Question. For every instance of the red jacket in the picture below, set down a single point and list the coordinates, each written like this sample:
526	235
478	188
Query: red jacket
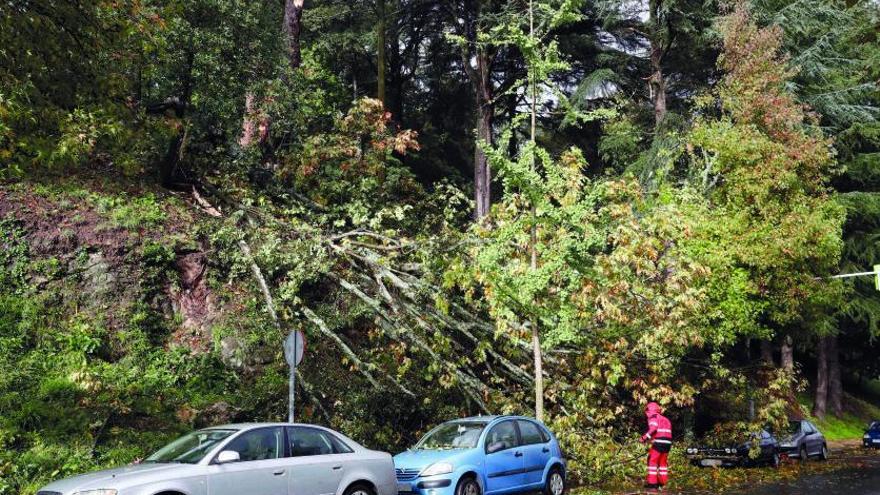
659	429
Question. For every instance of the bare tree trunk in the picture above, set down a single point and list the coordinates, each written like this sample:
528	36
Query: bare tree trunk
482	172
536	335
786	359
292	28
820	404
835	382
656	82
380	51
767	352
477	63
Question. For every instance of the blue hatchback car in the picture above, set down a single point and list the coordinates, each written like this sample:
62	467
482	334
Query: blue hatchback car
872	435
489	455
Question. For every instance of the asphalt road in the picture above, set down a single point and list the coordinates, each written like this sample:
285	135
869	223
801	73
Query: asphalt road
861	478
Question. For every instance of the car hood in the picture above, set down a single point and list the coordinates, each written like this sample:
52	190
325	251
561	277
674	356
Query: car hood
873	433
420	459
119	477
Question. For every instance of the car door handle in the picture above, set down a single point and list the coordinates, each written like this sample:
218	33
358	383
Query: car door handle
337	468
545	450
279	472
517	454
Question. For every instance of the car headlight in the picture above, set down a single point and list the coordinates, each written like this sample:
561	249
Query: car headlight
867	437
437	468
100	491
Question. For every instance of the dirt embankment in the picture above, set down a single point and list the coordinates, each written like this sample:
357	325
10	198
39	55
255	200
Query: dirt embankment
104	257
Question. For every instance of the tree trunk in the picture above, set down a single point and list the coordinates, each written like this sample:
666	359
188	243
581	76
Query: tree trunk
292	28
820	404
786	359
656	82
485	115
536	335
380	51
658	85
835	382
767	352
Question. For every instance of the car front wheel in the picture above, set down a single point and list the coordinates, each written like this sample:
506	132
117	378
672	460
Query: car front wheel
802	454
775	460
824	455
555	483
468	486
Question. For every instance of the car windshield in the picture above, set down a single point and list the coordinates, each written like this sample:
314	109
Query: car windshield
794	427
874	426
190	448
454	435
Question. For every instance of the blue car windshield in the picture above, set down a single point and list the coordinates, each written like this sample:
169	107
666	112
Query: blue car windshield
874	426
190	448
453	435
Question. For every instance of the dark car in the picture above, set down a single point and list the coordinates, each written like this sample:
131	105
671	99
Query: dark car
872	435
803	441
738	455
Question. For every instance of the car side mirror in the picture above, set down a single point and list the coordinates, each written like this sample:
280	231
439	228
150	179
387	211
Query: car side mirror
495	447
228	456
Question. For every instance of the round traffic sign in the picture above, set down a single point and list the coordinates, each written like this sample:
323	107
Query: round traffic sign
294	348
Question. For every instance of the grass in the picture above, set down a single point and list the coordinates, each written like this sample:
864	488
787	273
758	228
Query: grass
851	424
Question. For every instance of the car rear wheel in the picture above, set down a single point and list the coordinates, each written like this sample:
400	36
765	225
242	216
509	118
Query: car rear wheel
468	486
555	482
802	454
775	460
359	489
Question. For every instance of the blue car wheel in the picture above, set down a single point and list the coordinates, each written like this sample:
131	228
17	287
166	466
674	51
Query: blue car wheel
555	482
468	486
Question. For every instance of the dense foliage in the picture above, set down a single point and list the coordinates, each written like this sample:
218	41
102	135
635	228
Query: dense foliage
668	186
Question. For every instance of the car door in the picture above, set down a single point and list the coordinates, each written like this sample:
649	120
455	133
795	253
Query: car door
813	438
535	446
260	470
317	461
504	459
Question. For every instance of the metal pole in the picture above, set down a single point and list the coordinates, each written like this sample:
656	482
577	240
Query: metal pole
292	394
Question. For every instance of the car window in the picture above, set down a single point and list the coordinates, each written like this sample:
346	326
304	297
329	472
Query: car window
809	428
190	448
453	435
530	433
765	435
258	445
312	441
504	433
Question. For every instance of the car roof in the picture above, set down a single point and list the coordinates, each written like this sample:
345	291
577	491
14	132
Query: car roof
488	419
251	426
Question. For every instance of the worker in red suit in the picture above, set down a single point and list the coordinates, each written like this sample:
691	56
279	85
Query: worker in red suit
660	436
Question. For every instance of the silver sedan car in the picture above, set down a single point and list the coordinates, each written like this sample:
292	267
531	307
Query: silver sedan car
247	459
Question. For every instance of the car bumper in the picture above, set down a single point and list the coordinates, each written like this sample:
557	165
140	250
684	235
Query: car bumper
433	485
871	442
716	461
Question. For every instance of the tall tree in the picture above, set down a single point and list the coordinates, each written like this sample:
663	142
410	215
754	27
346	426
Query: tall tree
471	21
291	27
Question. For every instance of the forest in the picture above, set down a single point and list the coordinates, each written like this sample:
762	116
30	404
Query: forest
558	208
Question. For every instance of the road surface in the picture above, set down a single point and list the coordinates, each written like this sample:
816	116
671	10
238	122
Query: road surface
861	477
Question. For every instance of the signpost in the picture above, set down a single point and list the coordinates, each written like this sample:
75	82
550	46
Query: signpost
294	348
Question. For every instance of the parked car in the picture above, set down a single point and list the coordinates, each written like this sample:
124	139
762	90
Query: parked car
738	454
872	435
483	456
803	441
246	459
